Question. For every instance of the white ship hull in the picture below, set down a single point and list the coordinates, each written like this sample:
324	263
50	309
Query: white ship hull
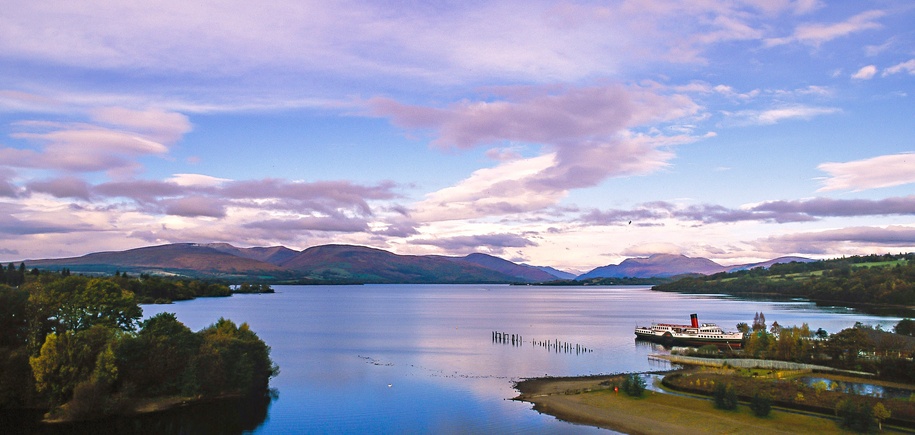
693	334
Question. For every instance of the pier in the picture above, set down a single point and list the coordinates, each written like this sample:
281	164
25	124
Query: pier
554	345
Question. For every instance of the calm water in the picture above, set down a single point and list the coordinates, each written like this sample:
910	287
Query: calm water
420	358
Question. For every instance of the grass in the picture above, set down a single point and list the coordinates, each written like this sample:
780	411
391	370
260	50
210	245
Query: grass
592	401
672	414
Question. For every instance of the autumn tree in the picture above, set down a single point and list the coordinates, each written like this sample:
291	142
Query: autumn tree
67	359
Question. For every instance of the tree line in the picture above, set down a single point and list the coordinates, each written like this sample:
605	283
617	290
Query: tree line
891	281
861	347
75	345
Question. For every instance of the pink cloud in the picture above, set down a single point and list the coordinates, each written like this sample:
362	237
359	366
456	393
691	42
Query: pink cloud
588	130
873	173
550	115
816	34
194	206
66	187
835	242
88	147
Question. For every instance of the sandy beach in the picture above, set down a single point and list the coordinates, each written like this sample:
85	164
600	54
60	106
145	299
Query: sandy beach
591	401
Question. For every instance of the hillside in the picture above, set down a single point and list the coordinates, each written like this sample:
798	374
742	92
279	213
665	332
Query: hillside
852	281
320	264
526	273
370	265
658	265
181	258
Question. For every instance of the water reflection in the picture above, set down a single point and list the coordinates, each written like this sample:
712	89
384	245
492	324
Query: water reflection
859	388
222	416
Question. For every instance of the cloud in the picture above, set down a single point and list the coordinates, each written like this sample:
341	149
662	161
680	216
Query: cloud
907	66
7	188
865	73
65	187
329	224
838	241
197	180
103	144
493	243
440	43
586	130
774	116
882	171
194	206
770	211
553	115
29	223
817	34
826	207
490	192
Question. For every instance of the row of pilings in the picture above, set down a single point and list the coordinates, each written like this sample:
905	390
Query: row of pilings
550	345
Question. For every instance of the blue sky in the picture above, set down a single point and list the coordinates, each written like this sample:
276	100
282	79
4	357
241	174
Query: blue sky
571	134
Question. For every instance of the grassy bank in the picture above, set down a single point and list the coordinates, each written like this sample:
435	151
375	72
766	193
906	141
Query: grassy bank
592	401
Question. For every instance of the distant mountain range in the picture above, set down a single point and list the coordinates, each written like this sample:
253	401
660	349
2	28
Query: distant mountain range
668	265
360	264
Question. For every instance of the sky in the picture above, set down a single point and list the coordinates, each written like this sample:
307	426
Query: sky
572	134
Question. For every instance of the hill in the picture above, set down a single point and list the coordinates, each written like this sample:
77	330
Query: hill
770	263
188	259
369	265
320	264
275	255
859	281
524	272
657	265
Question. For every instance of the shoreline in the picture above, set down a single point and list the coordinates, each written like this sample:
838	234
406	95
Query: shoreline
590	400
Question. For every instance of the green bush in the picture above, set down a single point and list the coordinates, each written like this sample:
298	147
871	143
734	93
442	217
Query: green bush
761	404
855	414
725	396
633	385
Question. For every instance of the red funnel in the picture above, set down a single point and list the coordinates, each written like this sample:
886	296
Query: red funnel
694	320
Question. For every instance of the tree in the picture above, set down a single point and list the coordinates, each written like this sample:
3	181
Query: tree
157	361
880	414
761	404
68	359
233	359
76	303
100	302
14	320
776	329
905	327
855	414
743	327
633	385
759	322
848	343
725	396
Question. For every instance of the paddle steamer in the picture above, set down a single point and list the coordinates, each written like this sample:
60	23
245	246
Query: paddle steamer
693	334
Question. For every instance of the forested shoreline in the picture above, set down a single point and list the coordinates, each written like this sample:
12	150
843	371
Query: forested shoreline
75	345
853	281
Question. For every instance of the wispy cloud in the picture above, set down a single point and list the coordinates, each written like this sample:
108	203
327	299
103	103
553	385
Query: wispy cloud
777	115
781	211
816	34
111	141
873	173
907	67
